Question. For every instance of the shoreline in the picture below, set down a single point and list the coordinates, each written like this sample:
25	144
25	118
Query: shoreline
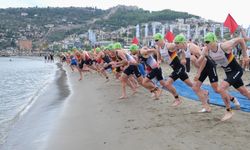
94	118
42	114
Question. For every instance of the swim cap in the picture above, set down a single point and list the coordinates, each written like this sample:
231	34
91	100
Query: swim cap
158	36
110	47
210	37
102	47
180	38
97	49
117	46
133	48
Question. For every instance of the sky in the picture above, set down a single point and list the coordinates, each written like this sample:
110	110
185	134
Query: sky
216	10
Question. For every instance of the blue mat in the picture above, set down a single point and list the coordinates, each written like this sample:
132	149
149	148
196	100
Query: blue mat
214	98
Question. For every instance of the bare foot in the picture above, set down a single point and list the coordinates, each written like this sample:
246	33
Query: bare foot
228	115
160	92
79	79
134	92
176	103
204	110
157	94
123	97
153	95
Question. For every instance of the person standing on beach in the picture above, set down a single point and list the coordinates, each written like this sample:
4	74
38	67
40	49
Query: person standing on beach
45	58
51	57
222	54
188	58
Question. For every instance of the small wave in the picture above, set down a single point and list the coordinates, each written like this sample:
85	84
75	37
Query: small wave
43	125
8	121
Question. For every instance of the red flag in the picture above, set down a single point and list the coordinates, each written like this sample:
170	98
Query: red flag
135	41
169	36
231	23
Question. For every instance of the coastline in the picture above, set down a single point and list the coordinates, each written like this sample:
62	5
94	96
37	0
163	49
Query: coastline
94	118
34	126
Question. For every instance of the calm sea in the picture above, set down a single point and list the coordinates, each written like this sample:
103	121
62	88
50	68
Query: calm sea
22	80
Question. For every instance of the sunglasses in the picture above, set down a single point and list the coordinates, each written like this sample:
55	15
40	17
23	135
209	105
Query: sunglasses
207	42
156	40
176	43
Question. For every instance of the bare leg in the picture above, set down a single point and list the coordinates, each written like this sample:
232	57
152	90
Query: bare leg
131	84
105	74
243	90
80	72
148	84
226	98
203	98
124	80
169	85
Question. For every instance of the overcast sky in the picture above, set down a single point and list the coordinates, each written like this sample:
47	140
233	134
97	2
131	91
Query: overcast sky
216	10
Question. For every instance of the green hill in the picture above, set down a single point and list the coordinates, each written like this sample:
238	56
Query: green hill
54	24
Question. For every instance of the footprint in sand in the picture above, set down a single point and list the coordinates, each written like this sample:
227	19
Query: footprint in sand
135	128
127	127
159	115
131	120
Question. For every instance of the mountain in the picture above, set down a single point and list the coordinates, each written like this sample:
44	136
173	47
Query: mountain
54	24
123	16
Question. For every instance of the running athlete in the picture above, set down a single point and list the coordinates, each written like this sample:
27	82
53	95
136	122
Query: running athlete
222	54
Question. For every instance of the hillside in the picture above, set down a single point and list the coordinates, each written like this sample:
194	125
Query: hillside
54	24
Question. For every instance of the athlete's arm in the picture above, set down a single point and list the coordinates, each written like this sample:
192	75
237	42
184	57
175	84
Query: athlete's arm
124	60
229	45
202	61
183	57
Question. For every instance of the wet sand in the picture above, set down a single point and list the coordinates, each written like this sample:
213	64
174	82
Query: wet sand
94	118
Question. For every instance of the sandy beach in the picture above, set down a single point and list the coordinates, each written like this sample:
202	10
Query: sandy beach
94	118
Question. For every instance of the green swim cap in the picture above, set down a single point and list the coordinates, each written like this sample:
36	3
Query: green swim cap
102	47
133	48
110	47
97	49
158	36
210	37
106	48
180	38
117	46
